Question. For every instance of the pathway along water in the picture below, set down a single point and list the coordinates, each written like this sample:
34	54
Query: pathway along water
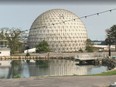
51	67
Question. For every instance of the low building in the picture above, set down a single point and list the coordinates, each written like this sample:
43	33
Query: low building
4	50
104	47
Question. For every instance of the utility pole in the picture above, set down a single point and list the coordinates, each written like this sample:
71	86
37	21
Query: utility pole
109	44
109	50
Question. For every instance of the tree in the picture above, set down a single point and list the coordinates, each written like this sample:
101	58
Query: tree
42	47
13	36
89	46
109	40
80	50
111	35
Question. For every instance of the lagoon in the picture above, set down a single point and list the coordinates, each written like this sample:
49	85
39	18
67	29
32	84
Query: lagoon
51	67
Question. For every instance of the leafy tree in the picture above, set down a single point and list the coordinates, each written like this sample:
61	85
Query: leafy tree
42	47
13	36
111	36
89	46
109	40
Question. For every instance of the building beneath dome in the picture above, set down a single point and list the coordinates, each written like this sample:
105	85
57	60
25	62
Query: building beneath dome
62	29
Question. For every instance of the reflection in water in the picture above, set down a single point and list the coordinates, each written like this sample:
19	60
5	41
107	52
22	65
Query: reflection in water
97	69
64	67
16	68
4	72
24	69
51	67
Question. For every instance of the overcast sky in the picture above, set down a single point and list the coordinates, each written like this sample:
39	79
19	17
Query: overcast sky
22	15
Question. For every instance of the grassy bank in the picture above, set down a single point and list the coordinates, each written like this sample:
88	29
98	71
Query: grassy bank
112	72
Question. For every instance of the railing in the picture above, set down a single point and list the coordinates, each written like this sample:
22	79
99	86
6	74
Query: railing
31	58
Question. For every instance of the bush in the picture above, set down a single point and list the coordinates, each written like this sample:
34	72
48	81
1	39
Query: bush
89	49
42	47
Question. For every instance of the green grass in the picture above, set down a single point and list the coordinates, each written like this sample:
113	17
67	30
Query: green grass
17	76
113	72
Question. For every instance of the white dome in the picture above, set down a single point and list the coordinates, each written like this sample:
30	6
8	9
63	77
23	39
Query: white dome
62	29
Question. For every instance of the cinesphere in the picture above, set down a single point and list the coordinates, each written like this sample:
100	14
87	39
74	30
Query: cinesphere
62	29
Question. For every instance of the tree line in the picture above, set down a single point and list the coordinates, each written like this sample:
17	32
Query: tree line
111	36
14	36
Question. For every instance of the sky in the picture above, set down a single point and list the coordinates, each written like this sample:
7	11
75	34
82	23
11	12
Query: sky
22	15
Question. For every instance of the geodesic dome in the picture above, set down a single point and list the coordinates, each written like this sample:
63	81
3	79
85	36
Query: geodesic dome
62	29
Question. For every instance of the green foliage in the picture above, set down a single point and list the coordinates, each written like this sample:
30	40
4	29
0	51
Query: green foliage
13	36
89	46
89	49
88	42
17	76
42	47
111	36
113	31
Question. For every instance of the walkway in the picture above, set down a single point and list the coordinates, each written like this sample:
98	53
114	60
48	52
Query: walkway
65	81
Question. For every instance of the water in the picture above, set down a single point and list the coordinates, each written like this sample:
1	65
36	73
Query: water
52	67
4	71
